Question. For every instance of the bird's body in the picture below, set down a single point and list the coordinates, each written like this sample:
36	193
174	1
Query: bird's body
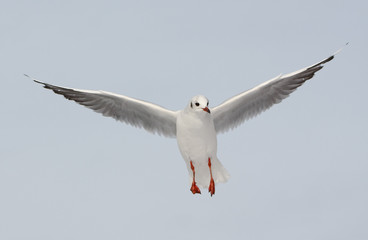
197	141
195	127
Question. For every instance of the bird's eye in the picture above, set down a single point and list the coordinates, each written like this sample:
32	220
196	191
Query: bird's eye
208	103
197	104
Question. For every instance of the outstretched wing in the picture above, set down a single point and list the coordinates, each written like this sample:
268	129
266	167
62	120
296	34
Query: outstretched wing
153	118
248	104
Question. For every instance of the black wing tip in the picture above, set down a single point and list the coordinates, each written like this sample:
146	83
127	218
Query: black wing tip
328	59
318	65
35	80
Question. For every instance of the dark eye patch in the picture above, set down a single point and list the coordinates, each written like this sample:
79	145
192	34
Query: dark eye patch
197	104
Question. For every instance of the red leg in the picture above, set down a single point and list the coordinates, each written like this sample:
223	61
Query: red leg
211	188
194	187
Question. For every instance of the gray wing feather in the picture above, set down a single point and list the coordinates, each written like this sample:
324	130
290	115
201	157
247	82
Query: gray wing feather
151	117
248	104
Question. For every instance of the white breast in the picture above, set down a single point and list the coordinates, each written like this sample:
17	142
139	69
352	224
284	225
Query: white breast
196	136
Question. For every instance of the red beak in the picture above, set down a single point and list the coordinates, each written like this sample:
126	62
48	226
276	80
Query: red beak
206	110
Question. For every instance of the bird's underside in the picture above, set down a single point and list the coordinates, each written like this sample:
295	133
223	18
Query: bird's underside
226	116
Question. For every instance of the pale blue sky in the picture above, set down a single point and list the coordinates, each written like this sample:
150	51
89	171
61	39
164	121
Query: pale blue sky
299	170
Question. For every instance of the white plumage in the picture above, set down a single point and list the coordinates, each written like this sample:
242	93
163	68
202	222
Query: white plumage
196	126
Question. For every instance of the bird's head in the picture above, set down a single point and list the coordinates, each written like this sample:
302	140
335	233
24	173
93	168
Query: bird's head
199	103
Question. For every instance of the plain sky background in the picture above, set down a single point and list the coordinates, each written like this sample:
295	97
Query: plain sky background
299	170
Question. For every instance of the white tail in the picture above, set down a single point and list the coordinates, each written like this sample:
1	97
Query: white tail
202	173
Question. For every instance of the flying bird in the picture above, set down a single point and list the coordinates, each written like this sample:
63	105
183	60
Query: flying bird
197	125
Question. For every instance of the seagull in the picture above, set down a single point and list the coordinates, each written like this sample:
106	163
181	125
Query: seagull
197	125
